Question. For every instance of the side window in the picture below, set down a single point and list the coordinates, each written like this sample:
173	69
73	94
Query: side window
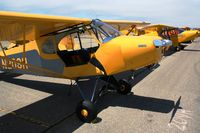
48	47
12	44
66	43
5	45
88	41
69	43
75	41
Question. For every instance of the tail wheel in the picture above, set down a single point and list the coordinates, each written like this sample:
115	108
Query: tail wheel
86	111
124	87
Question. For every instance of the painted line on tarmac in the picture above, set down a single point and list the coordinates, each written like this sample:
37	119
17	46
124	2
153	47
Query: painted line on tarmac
180	121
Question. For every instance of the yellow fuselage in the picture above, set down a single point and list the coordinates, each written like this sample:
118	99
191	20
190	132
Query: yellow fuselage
117	55
188	35
177	39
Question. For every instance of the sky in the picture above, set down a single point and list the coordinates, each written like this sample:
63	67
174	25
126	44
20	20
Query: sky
172	12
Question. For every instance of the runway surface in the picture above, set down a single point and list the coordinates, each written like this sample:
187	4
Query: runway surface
164	100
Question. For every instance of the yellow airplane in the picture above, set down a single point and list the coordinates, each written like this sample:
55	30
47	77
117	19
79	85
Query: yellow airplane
74	48
175	34
191	31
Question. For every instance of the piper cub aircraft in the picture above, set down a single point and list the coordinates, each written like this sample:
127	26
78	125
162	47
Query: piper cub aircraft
74	48
176	35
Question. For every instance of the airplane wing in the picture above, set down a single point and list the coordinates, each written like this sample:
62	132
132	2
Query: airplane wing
125	24
17	26
158	27
162	30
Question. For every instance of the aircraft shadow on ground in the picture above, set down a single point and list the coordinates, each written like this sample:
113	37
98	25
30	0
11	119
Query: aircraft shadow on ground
192	50
169	53
56	112
138	102
172	51
8	75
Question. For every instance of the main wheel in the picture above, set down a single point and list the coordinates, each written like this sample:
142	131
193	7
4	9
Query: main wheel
150	67
177	49
181	47
86	111
124	87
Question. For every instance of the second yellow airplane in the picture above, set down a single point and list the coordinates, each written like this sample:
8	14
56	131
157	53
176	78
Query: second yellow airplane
175	34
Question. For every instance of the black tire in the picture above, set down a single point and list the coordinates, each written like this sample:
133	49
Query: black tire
124	87
177	49
90	108
150	67
181	47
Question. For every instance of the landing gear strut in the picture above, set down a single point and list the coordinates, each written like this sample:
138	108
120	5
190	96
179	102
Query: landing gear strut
86	109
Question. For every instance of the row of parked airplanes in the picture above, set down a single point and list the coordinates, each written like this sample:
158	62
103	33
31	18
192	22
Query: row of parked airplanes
75	48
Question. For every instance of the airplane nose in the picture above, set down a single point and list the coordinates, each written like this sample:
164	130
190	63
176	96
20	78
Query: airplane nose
193	33
128	53
161	43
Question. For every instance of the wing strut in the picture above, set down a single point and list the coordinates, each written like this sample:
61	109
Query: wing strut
24	45
3	50
130	30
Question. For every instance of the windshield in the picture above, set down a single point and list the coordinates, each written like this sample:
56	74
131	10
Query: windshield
180	30
108	31
82	35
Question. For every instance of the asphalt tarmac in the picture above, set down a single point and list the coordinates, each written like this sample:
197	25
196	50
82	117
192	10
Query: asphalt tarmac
164	100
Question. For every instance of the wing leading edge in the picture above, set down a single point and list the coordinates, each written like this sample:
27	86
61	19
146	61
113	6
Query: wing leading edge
14	25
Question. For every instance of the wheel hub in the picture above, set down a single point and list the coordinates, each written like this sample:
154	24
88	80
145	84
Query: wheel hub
84	112
123	87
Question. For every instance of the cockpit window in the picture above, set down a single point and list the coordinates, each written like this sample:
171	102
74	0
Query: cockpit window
180	30
76	44
82	36
48	47
106	32
12	44
5	45
86	35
